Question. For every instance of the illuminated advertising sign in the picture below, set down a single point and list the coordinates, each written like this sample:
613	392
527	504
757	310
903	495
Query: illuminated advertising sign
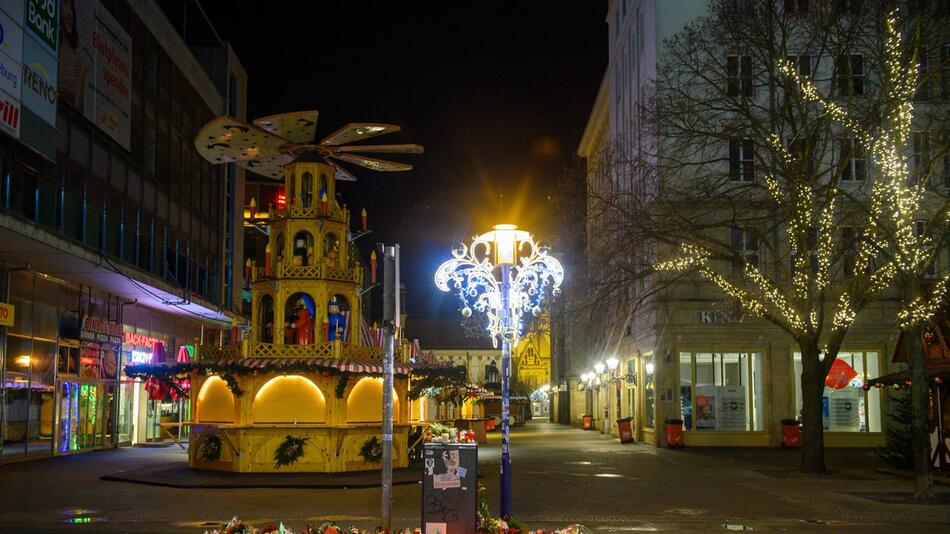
141	356
139	340
95	58
40	58
11	56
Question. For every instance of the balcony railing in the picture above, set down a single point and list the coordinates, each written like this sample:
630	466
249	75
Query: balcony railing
323	271
256	349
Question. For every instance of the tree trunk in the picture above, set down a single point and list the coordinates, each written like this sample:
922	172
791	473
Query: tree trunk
813	386
919	400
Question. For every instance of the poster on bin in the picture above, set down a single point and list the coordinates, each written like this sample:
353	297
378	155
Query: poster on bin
95	57
449	488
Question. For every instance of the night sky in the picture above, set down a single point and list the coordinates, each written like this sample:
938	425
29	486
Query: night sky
497	92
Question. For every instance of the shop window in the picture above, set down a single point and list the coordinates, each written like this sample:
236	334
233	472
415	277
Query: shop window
846	407
365	401
215	401
722	391
289	399
649	391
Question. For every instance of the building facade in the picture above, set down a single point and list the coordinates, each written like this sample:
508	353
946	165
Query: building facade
116	236
686	353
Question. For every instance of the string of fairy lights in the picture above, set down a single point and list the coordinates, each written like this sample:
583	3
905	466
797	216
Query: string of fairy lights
895	201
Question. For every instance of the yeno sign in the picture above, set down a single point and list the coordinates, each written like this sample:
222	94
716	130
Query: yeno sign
6	314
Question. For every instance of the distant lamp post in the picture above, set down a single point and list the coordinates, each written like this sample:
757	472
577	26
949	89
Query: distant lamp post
612	364
599	368
524	272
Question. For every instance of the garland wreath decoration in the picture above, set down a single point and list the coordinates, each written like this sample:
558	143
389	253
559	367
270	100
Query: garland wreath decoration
211	448
289	451
341	385
372	450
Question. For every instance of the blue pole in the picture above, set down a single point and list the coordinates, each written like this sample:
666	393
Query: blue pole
505	375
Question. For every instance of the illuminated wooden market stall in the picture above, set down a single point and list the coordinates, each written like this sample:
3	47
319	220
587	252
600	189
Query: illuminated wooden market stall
299	392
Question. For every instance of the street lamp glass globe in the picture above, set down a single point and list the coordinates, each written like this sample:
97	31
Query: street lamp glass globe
599	367
612	363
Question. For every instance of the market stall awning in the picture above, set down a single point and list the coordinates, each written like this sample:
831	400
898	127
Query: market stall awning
935	370
347	366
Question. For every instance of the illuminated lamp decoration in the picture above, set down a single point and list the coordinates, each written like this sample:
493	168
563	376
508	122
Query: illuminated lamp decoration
253	207
363	220
324	204
526	271
281	200
471	274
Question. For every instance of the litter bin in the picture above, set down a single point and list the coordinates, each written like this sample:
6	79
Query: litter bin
674	433
625	429
791	433
588	422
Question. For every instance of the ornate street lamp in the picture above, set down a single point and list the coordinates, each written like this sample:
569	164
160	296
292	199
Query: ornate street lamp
524	272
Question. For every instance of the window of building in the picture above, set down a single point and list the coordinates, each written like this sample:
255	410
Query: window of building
746	245
649	390
945	71
739	76
809	248
849	74
852	159
920	231
920	161
923	73
741	160
848	408
844	7
849	249
796	7
722	391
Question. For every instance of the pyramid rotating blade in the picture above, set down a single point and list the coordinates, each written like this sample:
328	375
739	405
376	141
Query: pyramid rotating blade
356	131
341	173
298	126
383	149
374	163
226	139
268	166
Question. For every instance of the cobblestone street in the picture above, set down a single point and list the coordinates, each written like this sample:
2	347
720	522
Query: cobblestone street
561	476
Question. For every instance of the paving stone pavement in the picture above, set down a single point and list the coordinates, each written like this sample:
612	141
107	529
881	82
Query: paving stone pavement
561	476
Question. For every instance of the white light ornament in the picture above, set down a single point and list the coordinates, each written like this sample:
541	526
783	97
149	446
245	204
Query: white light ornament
523	265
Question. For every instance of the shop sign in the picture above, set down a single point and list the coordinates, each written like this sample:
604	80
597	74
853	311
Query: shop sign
40	72
141	356
139	340
7	312
42	18
11	56
101	331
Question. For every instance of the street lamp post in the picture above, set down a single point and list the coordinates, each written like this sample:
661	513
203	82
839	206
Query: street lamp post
525	271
